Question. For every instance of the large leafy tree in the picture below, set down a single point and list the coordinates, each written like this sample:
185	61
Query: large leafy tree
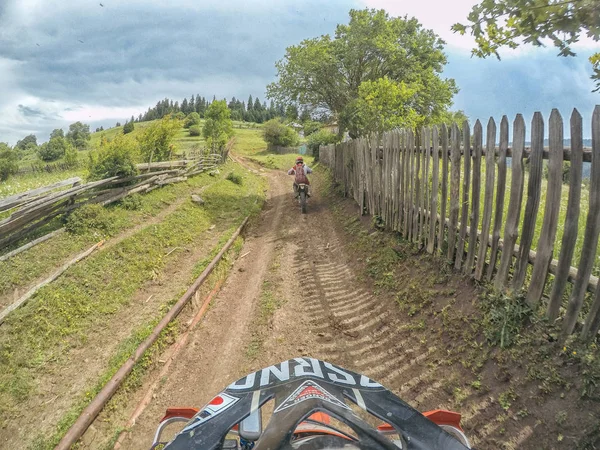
79	135
326	73
218	127
507	23
156	140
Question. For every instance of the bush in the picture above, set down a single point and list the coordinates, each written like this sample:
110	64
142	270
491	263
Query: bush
71	156
235	178
52	150
191	120
156	140
87	218
311	127
132	202
195	130
116	158
276	133
321	137
9	161
129	127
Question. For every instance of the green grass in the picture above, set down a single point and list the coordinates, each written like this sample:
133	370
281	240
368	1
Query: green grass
64	313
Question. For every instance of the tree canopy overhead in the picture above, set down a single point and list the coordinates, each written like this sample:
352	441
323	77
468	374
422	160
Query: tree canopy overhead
326	73
507	23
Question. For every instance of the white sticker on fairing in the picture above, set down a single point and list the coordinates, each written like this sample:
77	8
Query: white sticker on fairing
307	391
216	406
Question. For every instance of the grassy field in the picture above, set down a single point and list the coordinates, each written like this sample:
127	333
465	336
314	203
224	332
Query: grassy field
63	318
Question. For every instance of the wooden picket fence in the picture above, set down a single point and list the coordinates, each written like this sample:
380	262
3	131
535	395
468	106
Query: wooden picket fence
398	179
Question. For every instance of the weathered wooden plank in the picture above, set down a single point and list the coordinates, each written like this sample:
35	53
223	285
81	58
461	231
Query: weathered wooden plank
31	244
411	177
417	197
511	231
444	187
475	195
592	322
499	196
434	190
165	164
6	311
569	238
553	190
18	199
488	199
533	199
426	203
464	216
454	190
421	236
405	194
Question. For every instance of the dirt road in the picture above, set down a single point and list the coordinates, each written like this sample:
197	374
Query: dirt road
326	311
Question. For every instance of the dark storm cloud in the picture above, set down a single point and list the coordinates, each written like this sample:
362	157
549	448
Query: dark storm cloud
85	54
30	112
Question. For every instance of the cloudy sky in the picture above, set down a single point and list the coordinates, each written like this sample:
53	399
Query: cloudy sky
66	60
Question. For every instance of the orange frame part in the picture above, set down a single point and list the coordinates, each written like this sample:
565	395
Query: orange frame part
437	416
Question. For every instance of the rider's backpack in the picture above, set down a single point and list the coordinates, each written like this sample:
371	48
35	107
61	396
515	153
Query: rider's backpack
300	175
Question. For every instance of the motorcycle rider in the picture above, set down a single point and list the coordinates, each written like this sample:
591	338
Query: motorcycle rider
300	170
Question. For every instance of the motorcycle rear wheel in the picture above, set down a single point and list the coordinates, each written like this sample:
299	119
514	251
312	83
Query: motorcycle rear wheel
303	202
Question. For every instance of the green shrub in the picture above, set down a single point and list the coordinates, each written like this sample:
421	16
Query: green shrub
128	127
191	120
235	178
311	127
52	150
156	140
9	161
321	137
88	218
71	156
276	133
116	158
195	130
132	202
504	318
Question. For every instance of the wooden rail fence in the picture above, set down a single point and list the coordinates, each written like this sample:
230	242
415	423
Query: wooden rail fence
398	179
33	209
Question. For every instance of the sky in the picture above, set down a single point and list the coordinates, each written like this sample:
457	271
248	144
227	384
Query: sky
100	61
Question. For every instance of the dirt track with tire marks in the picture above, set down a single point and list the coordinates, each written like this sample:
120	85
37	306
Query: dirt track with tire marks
328	313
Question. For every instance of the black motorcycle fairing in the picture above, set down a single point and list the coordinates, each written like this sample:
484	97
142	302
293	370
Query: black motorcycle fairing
300	387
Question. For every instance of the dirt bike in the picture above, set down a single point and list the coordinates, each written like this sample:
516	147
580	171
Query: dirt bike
313	405
302	196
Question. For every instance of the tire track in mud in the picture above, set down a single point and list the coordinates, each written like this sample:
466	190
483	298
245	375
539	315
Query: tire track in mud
364	332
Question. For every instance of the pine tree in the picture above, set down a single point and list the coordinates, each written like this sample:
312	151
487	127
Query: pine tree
250	103
184	106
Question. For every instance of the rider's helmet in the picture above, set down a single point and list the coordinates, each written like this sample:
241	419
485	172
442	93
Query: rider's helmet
299	160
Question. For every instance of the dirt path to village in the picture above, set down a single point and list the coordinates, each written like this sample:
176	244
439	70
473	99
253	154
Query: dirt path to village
326	310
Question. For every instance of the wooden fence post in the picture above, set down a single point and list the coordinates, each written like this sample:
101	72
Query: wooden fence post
569	239
499	195
511	230
476	194
434	190
464	216
490	153
533	199
592	320
444	199
553	189
454	191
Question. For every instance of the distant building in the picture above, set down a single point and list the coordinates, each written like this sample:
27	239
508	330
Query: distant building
331	127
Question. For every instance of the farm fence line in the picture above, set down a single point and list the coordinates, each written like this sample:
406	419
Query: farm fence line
435	186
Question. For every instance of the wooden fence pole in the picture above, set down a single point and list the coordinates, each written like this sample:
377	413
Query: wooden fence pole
551	209
489	197
434	190
533	199
464	216
569	239
454	191
499	196
444	199
475	195
511	230
592	321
